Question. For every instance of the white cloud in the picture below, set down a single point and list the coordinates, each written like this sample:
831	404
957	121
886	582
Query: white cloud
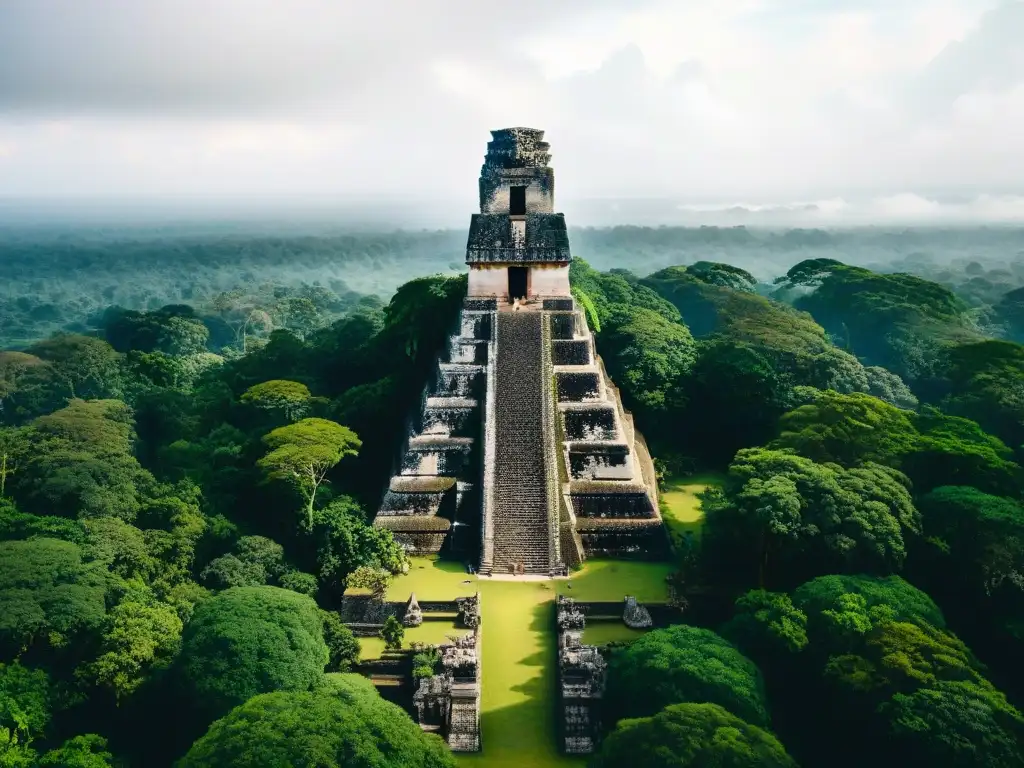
735	99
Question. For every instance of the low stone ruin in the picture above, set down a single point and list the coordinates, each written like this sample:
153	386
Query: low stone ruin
469	610
635	615
581	678
449	702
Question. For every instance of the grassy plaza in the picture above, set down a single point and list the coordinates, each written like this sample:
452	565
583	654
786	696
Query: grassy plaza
519	655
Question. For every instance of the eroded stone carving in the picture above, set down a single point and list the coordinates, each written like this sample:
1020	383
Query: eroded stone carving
413	615
469	610
635	615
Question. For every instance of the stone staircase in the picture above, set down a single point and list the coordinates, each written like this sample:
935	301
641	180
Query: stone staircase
521	523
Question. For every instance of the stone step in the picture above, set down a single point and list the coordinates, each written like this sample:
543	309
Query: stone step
520	523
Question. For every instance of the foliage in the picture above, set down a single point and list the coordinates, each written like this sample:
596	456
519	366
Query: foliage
249	640
303	453
955	723
424	664
86	751
847	429
303	583
25	701
51	597
290	398
792	516
393	633
683	664
647	355
80	366
767	623
884	318
345	543
691	735
171	330
711	309
333	728
80	462
375	580
342	645
408	316
142	635
983	536
983	382
906	602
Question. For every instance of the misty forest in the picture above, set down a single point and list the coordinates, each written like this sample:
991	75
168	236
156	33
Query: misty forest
848	405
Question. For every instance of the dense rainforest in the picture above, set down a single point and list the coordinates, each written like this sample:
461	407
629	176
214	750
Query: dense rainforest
194	437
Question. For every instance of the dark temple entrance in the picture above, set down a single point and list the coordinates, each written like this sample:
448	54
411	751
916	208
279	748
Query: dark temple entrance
517	201
516	283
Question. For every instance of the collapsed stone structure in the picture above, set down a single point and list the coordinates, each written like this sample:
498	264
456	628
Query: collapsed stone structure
521	457
449	702
582	674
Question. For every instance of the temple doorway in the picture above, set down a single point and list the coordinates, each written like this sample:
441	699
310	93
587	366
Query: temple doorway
517	201
516	283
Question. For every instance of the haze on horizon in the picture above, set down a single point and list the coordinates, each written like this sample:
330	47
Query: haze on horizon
868	109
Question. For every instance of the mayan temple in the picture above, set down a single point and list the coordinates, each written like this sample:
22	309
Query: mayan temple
521	456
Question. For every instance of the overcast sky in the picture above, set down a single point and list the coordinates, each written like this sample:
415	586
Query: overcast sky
748	101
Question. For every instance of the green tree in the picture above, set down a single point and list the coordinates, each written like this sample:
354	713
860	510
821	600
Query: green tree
647	355
847	429
85	367
340	727
86	751
683	664
341	643
303	453
972	560
984	381
51	597
303	583
25	701
142	635
955	723
684	735
373	579
81	462
955	451
393	633
249	640
121	547
896	320
767	624
908	603
345	542
288	398
734	397
777	506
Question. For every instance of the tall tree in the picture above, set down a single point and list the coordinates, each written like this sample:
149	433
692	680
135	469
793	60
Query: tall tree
303	453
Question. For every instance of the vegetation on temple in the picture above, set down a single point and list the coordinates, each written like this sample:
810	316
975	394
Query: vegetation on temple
184	486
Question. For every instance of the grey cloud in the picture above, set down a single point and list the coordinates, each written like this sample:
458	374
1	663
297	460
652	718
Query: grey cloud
229	56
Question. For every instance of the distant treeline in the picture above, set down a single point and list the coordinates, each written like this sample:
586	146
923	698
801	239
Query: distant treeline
55	280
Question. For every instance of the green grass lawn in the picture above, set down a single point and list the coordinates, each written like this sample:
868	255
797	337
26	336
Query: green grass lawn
680	506
518	716
604	632
431	632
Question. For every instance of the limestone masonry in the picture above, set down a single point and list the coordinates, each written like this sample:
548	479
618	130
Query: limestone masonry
521	458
